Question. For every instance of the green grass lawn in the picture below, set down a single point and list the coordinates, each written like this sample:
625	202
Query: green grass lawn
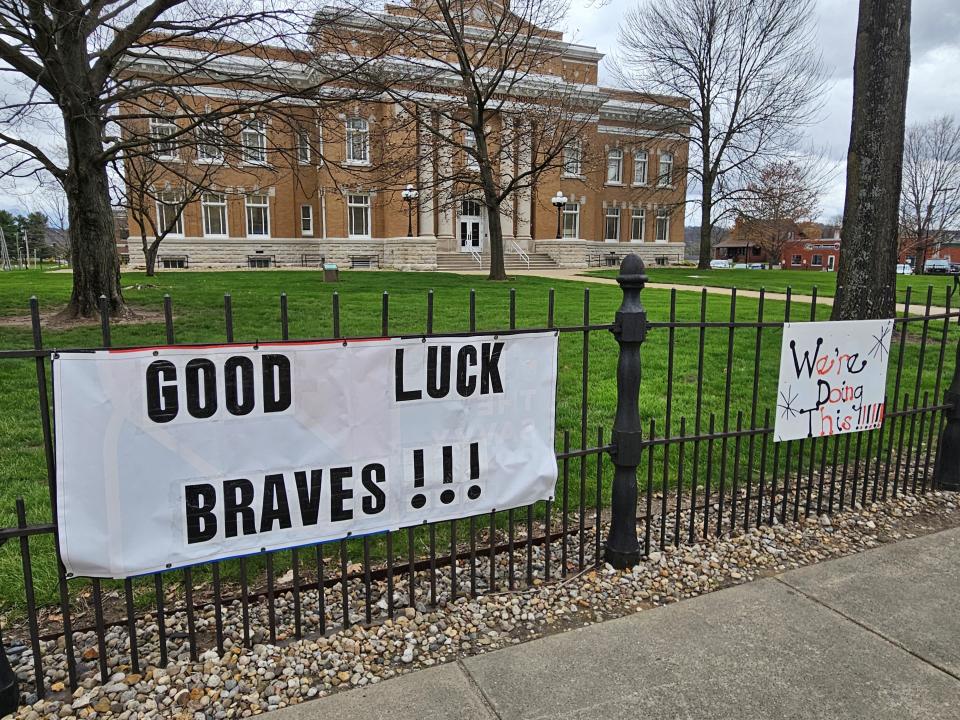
198	301
801	282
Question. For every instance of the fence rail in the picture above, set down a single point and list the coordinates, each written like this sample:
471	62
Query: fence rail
703	462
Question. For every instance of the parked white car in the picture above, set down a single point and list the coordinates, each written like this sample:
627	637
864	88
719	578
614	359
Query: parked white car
720	264
904	269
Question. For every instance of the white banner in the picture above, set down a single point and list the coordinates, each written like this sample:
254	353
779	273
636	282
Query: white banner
833	378
172	456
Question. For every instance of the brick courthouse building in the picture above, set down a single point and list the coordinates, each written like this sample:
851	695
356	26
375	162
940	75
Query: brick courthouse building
335	192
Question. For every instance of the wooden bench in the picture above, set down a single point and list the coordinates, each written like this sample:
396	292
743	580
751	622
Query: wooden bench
601	259
312	260
364	261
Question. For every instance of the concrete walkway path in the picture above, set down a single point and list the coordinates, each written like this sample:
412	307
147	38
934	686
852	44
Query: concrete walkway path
873	636
579	276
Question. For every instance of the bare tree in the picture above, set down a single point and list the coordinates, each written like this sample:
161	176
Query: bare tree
930	198
866	275
785	194
470	80
97	74
749	74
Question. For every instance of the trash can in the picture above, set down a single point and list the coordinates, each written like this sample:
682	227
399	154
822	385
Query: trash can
331	273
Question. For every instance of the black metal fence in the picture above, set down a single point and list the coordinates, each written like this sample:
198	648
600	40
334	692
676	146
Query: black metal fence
703	464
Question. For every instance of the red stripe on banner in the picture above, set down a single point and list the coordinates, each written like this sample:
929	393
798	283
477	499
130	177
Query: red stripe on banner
250	346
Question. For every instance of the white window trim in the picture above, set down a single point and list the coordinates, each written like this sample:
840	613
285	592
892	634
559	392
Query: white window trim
369	207
619	217
576	215
301	136
306	233
470	141
245	161
174	156
665	180
646	175
619	173
643	224
662	213
159	202
348	138
218	159
579	173
246	215
203	216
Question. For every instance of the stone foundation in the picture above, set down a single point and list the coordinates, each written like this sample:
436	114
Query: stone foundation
577	253
394	253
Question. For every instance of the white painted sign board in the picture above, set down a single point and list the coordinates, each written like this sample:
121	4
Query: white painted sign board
833	378
172	456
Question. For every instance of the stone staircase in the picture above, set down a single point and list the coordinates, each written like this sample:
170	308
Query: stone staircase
459	262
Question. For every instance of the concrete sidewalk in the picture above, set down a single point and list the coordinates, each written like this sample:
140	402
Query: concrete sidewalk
873	636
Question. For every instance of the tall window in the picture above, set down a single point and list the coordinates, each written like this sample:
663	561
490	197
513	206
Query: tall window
611	226
571	158
358	215
663	225
208	142
469	150
169	213
254	140
358	141
214	206
161	131
665	175
306	220
615	166
571	220
258	215
638	221
641	159
303	147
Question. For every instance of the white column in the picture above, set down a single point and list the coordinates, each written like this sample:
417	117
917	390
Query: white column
524	195
445	178
506	174
427	189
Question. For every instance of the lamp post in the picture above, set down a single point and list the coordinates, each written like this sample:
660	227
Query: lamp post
409	194
558	200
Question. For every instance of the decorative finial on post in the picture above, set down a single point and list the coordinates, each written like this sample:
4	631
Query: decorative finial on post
946	472
630	329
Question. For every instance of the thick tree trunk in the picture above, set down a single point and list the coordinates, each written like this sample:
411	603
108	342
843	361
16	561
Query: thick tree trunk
492	202
866	275
93	249
706	228
150	252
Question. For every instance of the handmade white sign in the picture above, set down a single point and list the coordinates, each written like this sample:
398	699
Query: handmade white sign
833	378
172	456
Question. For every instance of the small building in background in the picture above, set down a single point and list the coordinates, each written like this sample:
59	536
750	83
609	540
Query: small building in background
801	246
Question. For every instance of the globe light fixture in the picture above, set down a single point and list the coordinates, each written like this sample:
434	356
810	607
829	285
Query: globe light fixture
409	196
558	200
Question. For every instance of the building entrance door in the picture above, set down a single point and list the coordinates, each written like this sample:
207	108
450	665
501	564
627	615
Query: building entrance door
830	261
472	226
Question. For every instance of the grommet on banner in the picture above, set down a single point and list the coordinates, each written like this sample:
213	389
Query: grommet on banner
423	339
156	352
344	343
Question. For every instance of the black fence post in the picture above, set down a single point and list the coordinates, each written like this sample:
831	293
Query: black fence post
9	688
946	471
629	328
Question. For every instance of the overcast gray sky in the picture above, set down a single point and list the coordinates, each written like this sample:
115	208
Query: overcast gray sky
934	75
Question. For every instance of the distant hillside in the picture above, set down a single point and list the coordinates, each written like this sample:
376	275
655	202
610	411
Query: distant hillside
691	238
